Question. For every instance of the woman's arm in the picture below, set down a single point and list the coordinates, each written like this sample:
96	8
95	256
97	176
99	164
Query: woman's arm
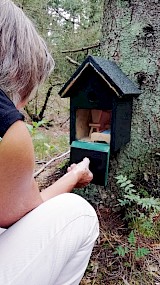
78	175
19	193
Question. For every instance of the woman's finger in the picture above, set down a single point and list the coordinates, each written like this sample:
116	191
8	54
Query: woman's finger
71	167
86	161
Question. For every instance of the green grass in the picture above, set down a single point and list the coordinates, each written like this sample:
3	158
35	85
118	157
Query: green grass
46	146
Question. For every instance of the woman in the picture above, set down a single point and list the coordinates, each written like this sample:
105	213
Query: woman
46	238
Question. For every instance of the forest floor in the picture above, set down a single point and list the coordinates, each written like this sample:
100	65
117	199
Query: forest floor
106	266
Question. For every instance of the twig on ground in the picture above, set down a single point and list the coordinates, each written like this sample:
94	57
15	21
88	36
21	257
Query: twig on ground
49	162
71	60
125	281
40	161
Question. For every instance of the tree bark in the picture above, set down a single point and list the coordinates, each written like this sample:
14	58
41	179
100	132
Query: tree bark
131	37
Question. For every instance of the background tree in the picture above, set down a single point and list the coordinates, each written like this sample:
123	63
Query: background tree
131	37
68	26
77	25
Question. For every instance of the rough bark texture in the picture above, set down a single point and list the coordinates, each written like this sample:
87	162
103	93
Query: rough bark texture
131	36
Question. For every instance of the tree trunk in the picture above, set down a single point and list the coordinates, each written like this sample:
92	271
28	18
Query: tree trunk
131	37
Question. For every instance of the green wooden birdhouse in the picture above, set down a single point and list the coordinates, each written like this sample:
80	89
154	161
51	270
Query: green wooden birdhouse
101	97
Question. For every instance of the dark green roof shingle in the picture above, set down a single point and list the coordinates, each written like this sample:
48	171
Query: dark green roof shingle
111	72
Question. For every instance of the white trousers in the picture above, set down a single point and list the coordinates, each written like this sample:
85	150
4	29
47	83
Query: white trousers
51	245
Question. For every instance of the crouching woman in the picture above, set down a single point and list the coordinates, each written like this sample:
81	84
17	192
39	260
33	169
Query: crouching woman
46	237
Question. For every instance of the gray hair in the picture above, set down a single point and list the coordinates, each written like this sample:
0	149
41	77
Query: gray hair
25	61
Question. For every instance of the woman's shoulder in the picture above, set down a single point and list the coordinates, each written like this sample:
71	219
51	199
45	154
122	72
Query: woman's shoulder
16	146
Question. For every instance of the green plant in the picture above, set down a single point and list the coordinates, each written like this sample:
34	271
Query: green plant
131	197
121	250
140	252
43	146
35	125
90	193
132	250
146	226
46	145
140	209
132	239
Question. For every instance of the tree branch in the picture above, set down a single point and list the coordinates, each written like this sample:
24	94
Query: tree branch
72	61
64	122
36	118
49	162
45	102
82	49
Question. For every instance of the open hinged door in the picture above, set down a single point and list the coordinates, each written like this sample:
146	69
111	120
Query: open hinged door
98	153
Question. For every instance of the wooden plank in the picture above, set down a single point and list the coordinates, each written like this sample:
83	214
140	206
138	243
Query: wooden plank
83	117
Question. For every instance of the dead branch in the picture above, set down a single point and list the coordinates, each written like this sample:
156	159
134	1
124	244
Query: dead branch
38	117
72	61
82	49
45	103
57	84
49	162
64	122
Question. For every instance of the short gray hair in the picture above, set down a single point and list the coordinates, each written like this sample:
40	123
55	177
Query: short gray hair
25	61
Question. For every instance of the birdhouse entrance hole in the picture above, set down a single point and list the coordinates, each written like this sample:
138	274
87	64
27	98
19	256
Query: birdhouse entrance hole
93	125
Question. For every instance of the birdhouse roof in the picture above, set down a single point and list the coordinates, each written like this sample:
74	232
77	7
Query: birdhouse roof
109	71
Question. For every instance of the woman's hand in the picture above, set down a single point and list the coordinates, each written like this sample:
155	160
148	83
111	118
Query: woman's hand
78	176
81	170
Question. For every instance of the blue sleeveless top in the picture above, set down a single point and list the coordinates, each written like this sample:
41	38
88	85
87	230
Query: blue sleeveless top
8	113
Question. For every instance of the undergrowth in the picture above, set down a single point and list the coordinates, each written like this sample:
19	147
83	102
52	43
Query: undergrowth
46	146
141	211
126	251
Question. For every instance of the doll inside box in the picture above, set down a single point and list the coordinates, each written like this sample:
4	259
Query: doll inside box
93	125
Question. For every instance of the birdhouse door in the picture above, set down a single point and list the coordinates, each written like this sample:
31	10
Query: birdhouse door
98	153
